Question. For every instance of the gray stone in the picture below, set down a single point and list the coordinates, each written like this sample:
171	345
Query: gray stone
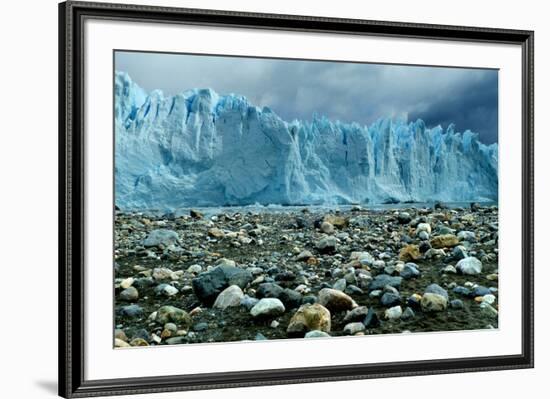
327	245
436	289
268	307
456	304
470	265
382	280
160	237
207	286
229	297
357	314
317	334
269	290
130	294
410	270
335	300
353	328
390	299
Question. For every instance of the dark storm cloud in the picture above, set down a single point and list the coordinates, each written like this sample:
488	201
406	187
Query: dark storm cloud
349	92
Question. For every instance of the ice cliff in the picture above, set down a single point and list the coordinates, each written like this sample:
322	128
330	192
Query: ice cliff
199	148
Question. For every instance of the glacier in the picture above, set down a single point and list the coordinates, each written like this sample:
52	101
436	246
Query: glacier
199	148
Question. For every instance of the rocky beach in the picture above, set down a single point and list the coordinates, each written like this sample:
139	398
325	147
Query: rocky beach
232	274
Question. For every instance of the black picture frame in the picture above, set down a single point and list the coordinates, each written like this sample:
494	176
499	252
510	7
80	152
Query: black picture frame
72	383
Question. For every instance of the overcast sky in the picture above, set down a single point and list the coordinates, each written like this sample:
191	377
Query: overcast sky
350	92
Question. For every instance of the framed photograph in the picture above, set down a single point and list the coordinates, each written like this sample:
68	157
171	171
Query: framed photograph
254	199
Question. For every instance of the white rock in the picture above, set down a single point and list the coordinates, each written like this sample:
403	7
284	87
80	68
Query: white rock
268	307
470	265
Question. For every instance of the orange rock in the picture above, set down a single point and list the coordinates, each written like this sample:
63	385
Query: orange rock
409	253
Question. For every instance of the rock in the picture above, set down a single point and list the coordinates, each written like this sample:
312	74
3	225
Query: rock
449	269
127	283
260	337
121	344
414	301
381	280
207	286
195	214
423	227
268	307
167	314
229	297
469	236
214	232
408	314
160	237
357	314
269	290
353	328
304	256
327	245
335	300
308	318
404	218
335	220
459	252
470	265
130	294
409	253
139	342
199	327
163	273
353	290
436	289
131	310
457	304
290	298
317	334
434	253
249	302
340	284
488	311
166	290
327	228
433	302
371	319
195	269
444	241
364	258
489	298
390	299
424	246
424	236
393	313
462	291
480	290
120	334
176	341
410	270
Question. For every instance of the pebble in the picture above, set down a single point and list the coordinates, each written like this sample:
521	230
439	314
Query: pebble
371	319
457	304
229	297
410	270
353	328
160	237
444	241
317	334
127	283
172	314
335	300
268	307
393	313
130	294
309	317
470	265
390	299
357	314
408	314
327	245
433	302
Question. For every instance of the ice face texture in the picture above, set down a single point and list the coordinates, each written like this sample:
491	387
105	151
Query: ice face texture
199	148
